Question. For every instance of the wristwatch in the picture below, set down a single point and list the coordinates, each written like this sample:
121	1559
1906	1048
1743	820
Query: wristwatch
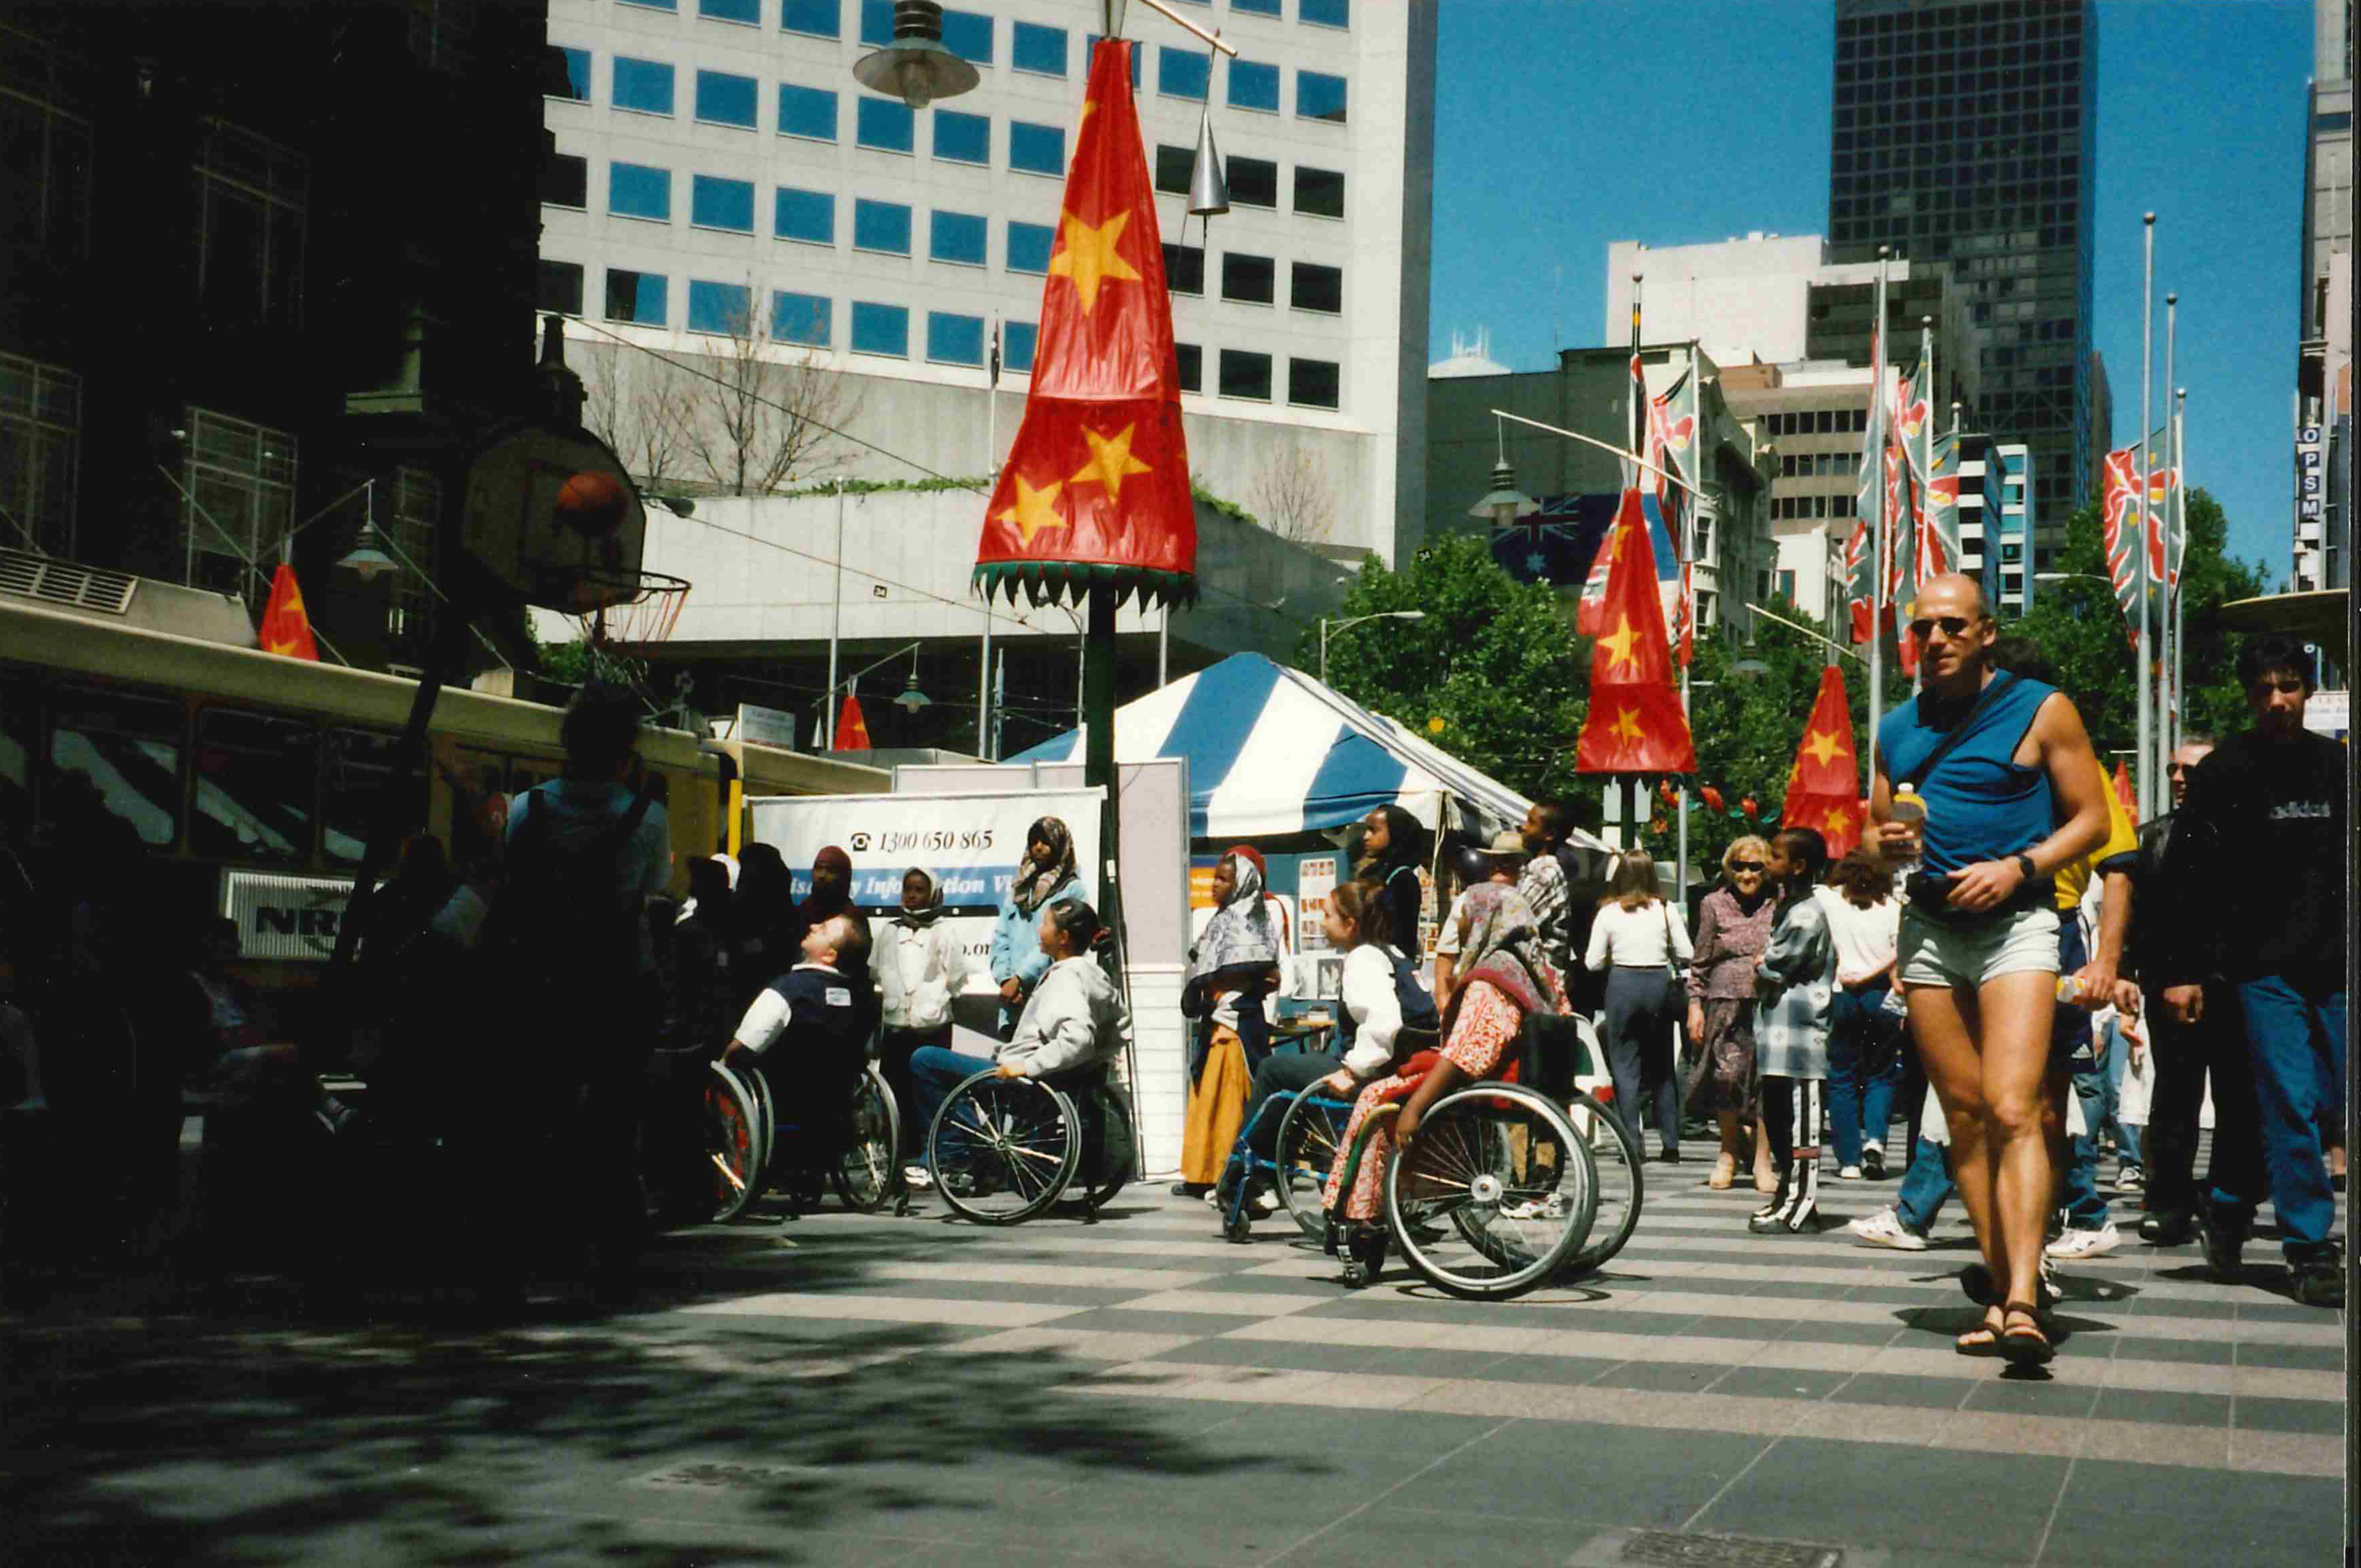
2024	863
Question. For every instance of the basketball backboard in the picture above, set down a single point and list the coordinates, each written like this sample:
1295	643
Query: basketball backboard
553	515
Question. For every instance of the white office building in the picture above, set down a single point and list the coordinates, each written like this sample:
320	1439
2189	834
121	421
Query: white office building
720	166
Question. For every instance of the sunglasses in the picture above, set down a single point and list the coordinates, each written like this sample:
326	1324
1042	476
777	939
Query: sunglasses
1953	625
1746	866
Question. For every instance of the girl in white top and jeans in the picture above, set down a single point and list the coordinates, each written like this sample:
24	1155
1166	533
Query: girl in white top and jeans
1637	938
920	967
1864	1035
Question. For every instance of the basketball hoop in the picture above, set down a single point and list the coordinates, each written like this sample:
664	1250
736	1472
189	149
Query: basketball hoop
629	609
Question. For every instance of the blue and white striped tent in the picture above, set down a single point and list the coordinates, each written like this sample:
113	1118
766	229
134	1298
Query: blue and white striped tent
1272	752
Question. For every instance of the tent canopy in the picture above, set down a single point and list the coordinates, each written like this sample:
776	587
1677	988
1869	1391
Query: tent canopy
1273	751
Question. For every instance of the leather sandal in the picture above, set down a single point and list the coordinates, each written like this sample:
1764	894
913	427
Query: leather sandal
1984	1338
2023	1343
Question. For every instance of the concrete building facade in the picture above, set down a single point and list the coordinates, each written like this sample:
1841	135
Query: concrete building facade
2322	542
719	164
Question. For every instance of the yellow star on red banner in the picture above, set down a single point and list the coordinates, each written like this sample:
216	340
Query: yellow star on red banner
1619	643
1840	822
1090	258
1111	460
1822	746
1627	724
1035	510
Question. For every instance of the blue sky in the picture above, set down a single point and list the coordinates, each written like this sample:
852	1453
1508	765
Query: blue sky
1725	105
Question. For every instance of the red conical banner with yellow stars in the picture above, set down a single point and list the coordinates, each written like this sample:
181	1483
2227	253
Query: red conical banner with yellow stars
1096	487
1824	789
1635	724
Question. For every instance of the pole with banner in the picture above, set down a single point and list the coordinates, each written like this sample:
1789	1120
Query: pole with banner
1878	543
2161	674
2179	545
2142	618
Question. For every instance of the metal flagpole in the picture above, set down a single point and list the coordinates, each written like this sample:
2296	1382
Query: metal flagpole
1685	585
992	484
1877	517
835	622
1920	523
2161	676
2177	547
2144	750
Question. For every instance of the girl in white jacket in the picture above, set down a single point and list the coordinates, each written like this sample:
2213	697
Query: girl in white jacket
920	967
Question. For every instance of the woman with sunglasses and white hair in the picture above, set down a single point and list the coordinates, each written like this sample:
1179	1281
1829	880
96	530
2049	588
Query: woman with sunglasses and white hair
1733	926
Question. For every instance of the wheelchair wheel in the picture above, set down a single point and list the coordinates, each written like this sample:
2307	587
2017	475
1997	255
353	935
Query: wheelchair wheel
766	1126
1003	1149
1616	1154
1505	1167
1104	1166
867	1176
731	1130
1309	1138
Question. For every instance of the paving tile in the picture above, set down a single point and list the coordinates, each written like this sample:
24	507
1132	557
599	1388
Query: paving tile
2219	1352
1901	1390
1281	1428
2319	1416
1577	1472
1286	1355
2162	1408
2068	1390
1811	1490
2115	1512
2303	1357
2287	1452
1134	1320
1391	1533
1777	1383
2206	1448
1660	1376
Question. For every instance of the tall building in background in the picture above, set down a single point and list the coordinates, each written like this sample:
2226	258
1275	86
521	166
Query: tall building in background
2323	399
1963	134
720	166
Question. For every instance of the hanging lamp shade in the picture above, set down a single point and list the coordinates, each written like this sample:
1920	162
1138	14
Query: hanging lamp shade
1503	503
367	559
1209	191
916	67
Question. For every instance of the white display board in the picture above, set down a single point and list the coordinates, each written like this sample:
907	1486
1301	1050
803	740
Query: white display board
971	842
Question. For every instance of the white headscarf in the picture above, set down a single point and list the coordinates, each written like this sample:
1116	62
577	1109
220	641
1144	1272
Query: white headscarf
1242	931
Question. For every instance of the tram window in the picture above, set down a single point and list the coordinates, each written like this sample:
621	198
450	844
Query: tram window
355	769
121	754
257	780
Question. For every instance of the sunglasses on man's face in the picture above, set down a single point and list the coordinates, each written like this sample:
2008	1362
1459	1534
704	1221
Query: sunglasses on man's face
1953	625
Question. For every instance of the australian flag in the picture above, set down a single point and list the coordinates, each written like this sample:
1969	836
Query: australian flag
1557	541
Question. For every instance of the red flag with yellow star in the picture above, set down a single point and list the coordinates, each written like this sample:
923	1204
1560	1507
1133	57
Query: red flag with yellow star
1824	789
1635	724
1096	487
286	626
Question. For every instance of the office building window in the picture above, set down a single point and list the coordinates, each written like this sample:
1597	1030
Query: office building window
40	431
1319	192
807	112
635	297
1312	286
883	124
45	148
954	340
1249	279
749	11
877	23
642	86
1182	73
881	329
578	76
883	226
800	318
1037	150
253	198
653	4
1256	7
239	481
1039	49
560	288
1311	383
1319	97
1174	165
1017	343
1253	182
1184	269
725	100
819	18
635	190
1254	85
717	203
957	236
727	307
1189	363
1787	584
1324	13
1029	246
968	34
962	139
1245	374
1091	49
808	216
565	180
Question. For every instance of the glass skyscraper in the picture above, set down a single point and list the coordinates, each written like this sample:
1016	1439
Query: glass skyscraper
1962	135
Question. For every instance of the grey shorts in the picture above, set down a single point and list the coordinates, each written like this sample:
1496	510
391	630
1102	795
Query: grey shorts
1964	956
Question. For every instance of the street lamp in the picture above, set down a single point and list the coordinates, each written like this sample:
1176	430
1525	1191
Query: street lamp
912	698
1503	503
1355	620
367	559
916	67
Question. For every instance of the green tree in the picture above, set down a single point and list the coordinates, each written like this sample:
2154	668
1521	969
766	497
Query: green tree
2082	629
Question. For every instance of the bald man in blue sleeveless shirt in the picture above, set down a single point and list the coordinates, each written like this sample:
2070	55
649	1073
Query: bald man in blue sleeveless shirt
2017	796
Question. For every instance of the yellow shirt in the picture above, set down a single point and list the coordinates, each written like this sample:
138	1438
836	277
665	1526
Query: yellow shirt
2123	838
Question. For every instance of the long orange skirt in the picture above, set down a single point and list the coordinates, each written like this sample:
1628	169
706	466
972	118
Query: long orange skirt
1217	1108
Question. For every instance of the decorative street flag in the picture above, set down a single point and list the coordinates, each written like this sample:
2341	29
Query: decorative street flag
1635	724
286	627
1592	605
1668	443
2124	788
2118	500
1824	789
1096	486
851	729
1862	589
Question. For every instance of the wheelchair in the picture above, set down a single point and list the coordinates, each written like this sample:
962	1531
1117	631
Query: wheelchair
1002	1150
1311	1129
751	1150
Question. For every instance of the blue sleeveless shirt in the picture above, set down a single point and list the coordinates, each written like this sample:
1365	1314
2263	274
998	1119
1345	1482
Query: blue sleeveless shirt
1981	804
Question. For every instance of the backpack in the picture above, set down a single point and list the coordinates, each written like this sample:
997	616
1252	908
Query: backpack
1417	1003
557	933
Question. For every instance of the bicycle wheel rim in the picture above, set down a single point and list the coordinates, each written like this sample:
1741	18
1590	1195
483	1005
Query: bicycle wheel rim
1310	1137
730	1138
1009	1141
865	1177
1497	1192
1615	1153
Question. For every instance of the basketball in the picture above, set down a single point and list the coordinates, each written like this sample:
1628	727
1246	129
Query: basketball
592	504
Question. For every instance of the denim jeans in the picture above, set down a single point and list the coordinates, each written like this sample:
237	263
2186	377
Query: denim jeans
2078	1178
1925	1187
1864	1070
2295	1039
935	1071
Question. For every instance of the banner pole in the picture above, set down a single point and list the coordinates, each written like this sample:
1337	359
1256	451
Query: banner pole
2145	745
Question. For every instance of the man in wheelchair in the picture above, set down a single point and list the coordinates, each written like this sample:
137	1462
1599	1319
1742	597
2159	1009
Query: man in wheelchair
807	1034
1074	1022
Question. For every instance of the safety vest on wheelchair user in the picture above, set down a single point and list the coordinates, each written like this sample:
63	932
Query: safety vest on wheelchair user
807	1031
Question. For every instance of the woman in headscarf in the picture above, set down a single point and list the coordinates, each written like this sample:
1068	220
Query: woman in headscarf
1502	975
831	896
1393	849
1045	876
921	967
1232	967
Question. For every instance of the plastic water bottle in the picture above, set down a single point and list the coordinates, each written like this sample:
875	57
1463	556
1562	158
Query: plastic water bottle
1908	808
2069	989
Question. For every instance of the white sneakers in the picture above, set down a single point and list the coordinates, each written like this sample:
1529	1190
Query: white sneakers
1885	1228
2072	1243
